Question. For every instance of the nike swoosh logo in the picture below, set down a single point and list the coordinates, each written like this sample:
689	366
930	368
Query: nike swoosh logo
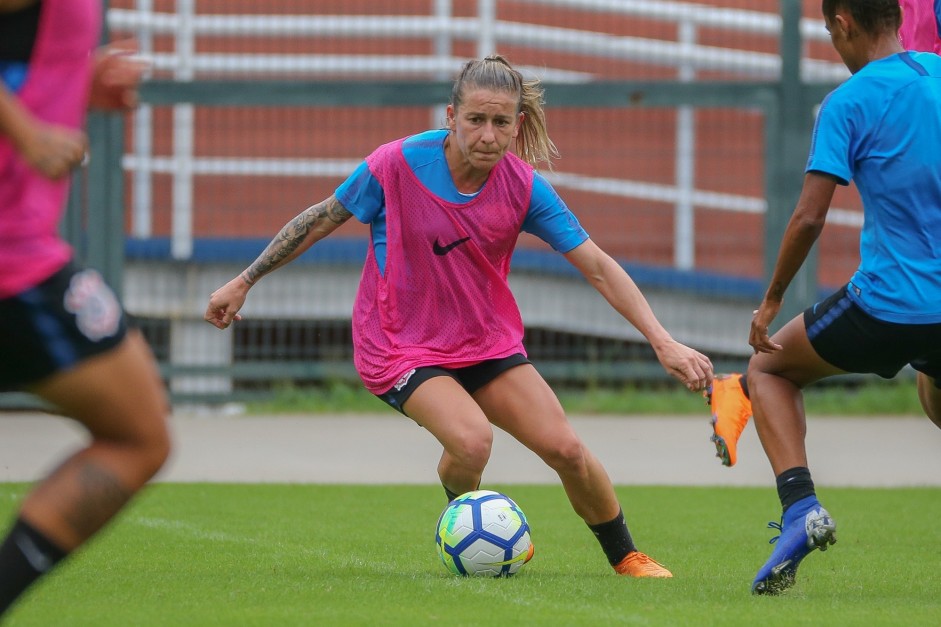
444	250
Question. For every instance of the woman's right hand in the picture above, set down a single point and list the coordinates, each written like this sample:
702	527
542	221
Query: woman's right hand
762	318
225	303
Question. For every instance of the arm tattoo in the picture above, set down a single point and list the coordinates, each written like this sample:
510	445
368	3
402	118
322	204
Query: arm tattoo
326	214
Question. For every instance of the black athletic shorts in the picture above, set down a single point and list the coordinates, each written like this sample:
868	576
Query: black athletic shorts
847	337
67	318
471	378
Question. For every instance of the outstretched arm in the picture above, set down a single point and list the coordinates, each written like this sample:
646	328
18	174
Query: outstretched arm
802	231
310	226
691	367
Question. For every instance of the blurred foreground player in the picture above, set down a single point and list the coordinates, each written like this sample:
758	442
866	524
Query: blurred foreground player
63	334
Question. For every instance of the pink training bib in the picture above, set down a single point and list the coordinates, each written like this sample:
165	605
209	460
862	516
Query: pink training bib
444	298
919	30
56	92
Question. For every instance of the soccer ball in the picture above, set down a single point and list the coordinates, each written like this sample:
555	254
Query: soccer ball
483	533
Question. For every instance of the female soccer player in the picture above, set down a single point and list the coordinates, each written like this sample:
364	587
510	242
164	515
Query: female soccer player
437	333
880	128
728	395
63	334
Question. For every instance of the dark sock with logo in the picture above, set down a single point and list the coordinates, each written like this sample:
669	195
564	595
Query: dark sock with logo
25	556
744	383
615	539
453	495
794	484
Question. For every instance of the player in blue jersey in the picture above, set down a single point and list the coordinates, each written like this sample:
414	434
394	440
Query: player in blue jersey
727	397
882	130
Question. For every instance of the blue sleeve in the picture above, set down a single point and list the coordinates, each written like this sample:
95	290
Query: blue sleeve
361	194
550	220
832	143
937	16
13	75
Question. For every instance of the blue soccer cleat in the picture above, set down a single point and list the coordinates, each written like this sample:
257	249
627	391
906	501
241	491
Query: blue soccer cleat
806	526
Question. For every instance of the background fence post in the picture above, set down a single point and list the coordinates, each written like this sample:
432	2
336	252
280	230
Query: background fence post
104	198
787	135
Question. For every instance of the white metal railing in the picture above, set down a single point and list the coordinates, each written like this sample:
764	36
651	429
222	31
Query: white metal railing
588	43
695	14
442	28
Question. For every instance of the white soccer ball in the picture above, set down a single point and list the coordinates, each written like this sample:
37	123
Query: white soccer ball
483	533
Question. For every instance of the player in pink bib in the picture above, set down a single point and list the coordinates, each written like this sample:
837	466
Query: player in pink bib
63	334
456	286
437	333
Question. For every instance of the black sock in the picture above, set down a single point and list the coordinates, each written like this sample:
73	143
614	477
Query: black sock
615	539
451	495
794	484
744	383
25	556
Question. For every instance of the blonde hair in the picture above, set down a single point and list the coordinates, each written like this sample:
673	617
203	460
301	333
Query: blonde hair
495	73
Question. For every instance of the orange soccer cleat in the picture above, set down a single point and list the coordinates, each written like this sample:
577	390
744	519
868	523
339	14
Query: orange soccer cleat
636	564
731	410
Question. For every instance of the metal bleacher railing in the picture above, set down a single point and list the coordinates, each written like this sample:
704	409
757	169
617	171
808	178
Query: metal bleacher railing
171	277
488	32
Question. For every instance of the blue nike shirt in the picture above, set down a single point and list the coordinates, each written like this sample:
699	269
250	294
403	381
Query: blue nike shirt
882	130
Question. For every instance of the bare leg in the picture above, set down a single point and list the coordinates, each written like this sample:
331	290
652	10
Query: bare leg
119	397
775	384
448	412
930	397
521	403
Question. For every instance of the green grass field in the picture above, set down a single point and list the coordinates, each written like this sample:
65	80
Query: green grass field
867	397
232	555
